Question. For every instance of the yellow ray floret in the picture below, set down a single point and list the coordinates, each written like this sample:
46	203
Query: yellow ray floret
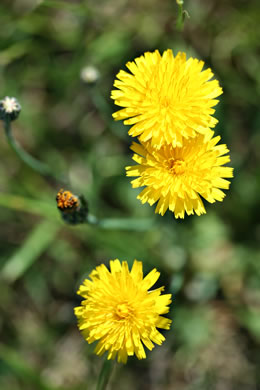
120	312
178	177
166	99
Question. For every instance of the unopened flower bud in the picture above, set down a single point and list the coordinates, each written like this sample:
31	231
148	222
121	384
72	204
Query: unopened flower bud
9	108
73	209
66	200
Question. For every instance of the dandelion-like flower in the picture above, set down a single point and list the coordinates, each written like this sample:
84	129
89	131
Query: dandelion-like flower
166	98
120	313
178	177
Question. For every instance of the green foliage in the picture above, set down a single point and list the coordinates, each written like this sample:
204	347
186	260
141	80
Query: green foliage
209	263
34	245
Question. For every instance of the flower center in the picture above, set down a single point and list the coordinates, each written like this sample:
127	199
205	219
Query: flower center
177	166
165	102
123	310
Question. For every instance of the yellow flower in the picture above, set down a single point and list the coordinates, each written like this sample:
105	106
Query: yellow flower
167	98
177	177
120	312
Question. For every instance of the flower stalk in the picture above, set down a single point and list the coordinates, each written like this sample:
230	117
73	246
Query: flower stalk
181	15
133	224
9	111
104	375
32	162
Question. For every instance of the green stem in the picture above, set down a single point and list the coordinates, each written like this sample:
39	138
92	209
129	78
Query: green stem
121	223
180	17
104	375
32	162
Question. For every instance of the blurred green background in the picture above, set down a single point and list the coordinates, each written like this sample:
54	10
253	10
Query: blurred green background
211	264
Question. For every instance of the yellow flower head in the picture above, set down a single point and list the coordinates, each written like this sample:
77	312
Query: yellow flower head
120	313
178	177
167	98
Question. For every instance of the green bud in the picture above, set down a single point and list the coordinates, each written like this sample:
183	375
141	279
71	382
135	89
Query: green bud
74	209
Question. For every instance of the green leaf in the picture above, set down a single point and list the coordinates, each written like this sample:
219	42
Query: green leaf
35	244
38	207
